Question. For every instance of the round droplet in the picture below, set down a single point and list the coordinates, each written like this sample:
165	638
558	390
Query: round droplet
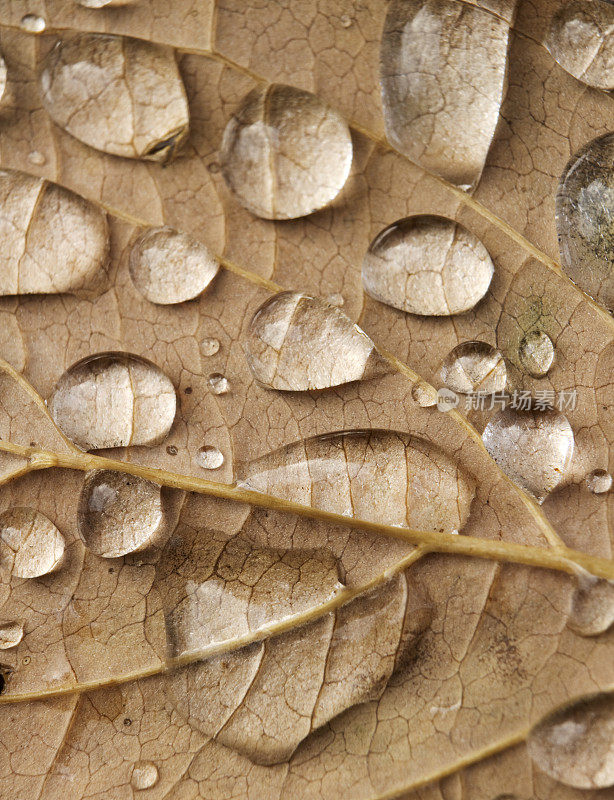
592	610
585	219
209	457
474	367
114	400
209	346
599	481
427	265
581	39
31	543
168	267
144	775
119	95
575	745
37	158
119	513
424	395
536	353
218	383
285	152
346	20
11	633
32	23
534	449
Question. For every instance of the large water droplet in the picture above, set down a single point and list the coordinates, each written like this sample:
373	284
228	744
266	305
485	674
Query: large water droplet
427	265
210	457
144	775
296	342
383	476
585	219
599	481
581	39
534	449
32	23
31	544
168	267
54	241
575	745
119	513
536	353
11	633
114	400
473	367
443	75
285	152
123	96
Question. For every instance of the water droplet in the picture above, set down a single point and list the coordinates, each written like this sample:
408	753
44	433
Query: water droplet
345	20
296	343
574	745
119	513
144	775
427	265
11	633
32	23
536	353
218	384
209	346
382	476
473	367
534	449
37	158
119	95
54	240
436	110
209	457
592	610
114	400
599	481
585	219
3	77
167	266
172	450
335	299
31	543
285	152
581	39
424	395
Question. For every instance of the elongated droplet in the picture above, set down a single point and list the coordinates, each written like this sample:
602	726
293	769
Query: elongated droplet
285	152
209	457
32	23
114	400
443	76
473	367
575	745
167	266
581	39
592	610
103	3
119	513
144	775
534	449
3	76
599	481
585	219
119	95
54	241
11	633
427	265
536	353
31	543
383	476
296	342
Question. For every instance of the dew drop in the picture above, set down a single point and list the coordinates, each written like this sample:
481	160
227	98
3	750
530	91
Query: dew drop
209	346
424	395
11	633
144	775
209	457
218	384
581	39
585	219
427	265
37	158
168	267
31	543
119	95
32	23
345	20
592	610
473	367
297	343
114	400
383	476
536	353
599	481
285	152
534	449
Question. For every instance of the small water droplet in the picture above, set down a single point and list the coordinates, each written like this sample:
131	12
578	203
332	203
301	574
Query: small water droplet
536	353
114	400
335	299
209	346
32	23
11	633
31	543
209	457
172	450
37	158
592	609
427	265
168	267
599	481
474	367
218	384
144	775
534	449
346	20
285	152
424	395
297	343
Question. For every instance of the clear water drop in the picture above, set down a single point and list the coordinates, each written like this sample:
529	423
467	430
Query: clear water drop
119	95
592	609
427	265
218	383
424	395
297	343
31	544
536	353
346	20
210	457
144	775
37	158
285	152
209	346
114	400
473	367
599	481
168	267
534	449
32	23
11	633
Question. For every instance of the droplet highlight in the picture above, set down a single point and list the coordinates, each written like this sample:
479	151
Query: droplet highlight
11	633
32	23
209	346
536	353
285	152
31	544
209	457
144	775
599	481
473	367
218	383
